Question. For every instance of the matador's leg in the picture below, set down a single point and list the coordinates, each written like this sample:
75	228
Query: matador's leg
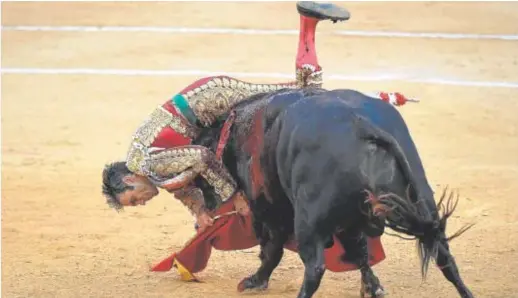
309	72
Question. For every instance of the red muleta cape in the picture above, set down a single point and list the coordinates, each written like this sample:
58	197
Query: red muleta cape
235	232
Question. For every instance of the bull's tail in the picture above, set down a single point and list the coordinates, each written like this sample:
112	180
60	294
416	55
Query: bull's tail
381	138
410	214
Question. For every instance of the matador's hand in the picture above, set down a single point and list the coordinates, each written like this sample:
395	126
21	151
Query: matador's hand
204	221
240	204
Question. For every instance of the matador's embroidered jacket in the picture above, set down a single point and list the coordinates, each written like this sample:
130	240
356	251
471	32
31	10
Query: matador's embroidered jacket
161	146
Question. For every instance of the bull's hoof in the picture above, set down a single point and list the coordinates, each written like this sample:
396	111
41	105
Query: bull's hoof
252	283
372	291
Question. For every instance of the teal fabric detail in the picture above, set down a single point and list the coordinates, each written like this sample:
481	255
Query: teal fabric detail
181	103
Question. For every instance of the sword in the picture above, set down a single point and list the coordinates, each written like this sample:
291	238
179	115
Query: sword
224	214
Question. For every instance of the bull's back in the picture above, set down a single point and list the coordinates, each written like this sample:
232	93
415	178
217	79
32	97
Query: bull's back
315	134
387	118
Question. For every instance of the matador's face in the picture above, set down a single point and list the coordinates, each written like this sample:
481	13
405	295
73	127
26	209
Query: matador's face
143	191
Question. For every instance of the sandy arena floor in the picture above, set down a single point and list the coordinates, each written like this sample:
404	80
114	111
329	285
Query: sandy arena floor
59	238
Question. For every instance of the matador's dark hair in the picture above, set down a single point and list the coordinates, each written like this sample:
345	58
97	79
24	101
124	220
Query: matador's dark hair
113	183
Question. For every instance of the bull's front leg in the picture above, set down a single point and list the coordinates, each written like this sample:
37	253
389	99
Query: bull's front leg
272	249
355	245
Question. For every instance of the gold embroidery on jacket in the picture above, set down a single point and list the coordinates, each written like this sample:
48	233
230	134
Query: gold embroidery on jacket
146	134
219	95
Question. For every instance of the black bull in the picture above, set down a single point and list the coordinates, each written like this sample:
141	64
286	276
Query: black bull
314	162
